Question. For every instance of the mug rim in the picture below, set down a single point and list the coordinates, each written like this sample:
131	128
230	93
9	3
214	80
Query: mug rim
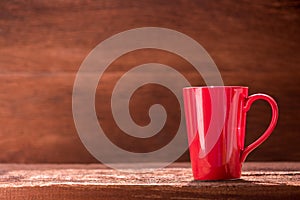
212	87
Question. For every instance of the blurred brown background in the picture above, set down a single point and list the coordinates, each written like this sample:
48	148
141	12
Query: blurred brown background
42	44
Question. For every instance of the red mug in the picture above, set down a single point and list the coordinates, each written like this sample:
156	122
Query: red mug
216	121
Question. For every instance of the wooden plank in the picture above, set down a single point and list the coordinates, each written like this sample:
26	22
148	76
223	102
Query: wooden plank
39	127
42	45
259	180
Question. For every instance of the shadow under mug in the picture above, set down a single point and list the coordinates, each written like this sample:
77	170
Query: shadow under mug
216	122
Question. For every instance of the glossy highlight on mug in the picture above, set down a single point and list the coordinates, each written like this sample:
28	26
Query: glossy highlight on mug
216	121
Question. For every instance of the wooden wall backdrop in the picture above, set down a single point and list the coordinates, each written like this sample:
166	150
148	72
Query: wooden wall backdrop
42	44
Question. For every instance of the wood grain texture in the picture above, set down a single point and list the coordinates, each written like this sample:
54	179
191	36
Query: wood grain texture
259	180
42	45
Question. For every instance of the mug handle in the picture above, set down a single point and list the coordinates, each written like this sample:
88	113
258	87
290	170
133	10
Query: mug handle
271	127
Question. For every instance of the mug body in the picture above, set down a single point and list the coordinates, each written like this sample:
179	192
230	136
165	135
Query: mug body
216	130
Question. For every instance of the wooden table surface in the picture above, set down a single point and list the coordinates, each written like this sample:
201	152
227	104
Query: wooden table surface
70	181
